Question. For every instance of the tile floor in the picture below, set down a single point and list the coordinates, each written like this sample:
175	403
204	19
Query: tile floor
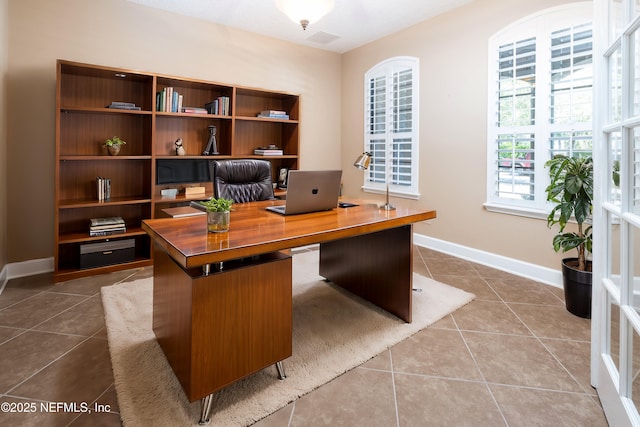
512	357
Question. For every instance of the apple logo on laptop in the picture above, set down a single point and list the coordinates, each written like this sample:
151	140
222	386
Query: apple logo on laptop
314	191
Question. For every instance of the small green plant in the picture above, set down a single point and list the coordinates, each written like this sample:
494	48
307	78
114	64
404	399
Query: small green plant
114	141
217	205
571	189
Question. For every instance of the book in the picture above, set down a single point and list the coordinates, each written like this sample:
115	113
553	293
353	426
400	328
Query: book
273	112
94	233
183	211
194	110
123	105
111	220
103	188
267	152
274	116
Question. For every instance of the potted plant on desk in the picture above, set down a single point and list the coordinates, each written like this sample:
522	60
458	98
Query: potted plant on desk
571	189
218	214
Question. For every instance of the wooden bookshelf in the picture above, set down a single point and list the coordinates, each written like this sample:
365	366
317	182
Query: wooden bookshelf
83	122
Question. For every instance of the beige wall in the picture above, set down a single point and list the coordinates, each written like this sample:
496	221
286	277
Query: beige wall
122	34
452	49
4	47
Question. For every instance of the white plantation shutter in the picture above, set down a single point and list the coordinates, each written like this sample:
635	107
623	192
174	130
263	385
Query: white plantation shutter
540	103
391	126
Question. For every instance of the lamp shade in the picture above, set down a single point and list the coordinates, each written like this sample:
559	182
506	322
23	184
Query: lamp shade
363	160
305	11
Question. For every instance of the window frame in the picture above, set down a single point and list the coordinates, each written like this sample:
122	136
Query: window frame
372	182
541	26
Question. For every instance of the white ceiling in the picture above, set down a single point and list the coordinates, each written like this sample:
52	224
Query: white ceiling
351	24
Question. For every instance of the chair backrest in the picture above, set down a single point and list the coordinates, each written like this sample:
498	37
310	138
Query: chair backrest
243	180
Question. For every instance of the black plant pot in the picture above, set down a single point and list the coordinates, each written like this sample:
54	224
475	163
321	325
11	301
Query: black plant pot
577	288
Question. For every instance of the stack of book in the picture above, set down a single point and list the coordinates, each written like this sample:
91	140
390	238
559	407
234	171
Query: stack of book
169	100
107	226
271	150
103	186
274	114
219	106
123	105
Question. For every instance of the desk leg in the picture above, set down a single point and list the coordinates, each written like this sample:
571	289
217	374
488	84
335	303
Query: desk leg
205	414
377	267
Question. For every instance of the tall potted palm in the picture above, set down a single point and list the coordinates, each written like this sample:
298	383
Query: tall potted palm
571	189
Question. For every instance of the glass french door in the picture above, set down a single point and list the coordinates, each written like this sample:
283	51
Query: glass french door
615	348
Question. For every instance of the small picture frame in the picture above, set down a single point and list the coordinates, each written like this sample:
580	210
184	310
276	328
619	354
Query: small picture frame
283	176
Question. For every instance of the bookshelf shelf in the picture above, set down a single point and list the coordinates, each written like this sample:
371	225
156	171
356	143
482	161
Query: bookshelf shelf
84	121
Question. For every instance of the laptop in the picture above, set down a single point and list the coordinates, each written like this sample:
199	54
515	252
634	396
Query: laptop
310	191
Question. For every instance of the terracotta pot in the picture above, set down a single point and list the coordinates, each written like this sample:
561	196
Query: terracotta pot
113	149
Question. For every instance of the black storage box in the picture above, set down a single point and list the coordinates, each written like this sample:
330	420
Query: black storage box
107	253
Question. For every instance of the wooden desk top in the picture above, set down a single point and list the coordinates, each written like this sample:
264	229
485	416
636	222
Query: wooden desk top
255	231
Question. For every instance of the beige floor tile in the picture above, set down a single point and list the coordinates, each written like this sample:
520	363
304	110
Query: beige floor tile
522	290
35	310
361	397
553	322
433	402
489	316
575	357
11	296
81	376
518	360
33	415
435	352
529	407
475	285
84	319
26	354
450	266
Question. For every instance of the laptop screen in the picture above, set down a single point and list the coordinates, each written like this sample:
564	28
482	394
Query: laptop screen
310	191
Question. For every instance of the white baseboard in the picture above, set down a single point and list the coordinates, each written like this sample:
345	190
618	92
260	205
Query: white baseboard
29	268
510	265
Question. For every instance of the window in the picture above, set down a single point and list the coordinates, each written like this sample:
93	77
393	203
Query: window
540	102
391	127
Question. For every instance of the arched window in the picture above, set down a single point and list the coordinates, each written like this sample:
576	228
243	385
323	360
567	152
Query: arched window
391	126
540	102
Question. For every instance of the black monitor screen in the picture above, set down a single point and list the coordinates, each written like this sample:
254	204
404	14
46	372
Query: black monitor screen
183	171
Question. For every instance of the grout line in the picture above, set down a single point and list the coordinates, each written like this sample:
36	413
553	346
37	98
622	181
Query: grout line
393	384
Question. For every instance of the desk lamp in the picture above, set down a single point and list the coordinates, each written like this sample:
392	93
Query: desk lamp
362	163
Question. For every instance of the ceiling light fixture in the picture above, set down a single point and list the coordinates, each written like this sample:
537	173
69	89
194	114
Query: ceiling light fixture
305	12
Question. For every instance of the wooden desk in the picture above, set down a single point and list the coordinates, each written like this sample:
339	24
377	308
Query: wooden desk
364	249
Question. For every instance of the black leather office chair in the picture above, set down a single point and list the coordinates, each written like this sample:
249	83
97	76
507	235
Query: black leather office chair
243	180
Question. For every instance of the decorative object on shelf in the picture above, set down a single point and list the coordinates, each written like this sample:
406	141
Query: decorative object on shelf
113	145
212	146
218	214
571	189
179	147
305	12
362	163
283	177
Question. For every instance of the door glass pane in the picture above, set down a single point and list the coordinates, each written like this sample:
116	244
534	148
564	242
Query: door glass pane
635	370
615	87
634	265
635	173
615	19
614	332
614	252
636	73
615	151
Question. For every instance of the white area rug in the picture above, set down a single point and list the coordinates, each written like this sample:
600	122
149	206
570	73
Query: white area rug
333	332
